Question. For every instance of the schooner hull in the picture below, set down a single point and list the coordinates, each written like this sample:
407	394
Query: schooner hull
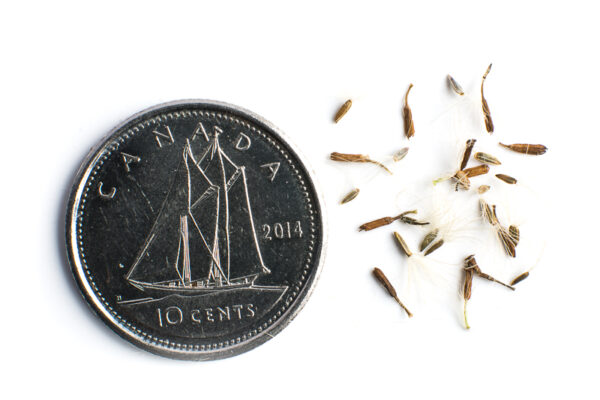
160	290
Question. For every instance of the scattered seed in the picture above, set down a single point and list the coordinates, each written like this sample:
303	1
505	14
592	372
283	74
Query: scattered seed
380	276
471	264
486	158
402	244
476	171
508	179
388	220
434	247
483	188
342	111
467	153
400	154
358	158
489	125
455	86
467	285
520	278
428	239
523	148
409	126
514	233
506	240
350	196
412	221
487	212
376	224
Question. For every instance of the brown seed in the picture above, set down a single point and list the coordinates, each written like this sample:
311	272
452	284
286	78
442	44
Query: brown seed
380	276
434	247
428	239
402	244
342	111
376	223
508	179
409	126
400	154
467	153
523	148
471	264
489	125
476	171
350	196
486	211
514	233
412	221
483	188
467	285
486	158
455	86
489	214
520	278
358	158
506	240
388	220
409	220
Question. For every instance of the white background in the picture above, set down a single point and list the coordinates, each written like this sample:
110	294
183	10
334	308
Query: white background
71	71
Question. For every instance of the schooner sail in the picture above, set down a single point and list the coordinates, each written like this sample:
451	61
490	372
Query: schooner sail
203	238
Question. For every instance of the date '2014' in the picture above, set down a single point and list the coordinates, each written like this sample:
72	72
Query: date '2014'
282	230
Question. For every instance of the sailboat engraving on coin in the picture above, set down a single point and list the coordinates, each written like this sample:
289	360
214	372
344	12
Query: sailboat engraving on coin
195	231
197	215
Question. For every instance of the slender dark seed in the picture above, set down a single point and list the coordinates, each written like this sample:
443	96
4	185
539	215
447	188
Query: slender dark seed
359	158
434	247
412	221
520	278
492	279
489	125
508	179
380	276
428	239
402	244
388	220
514	233
342	111
523	148
506	240
350	196
486	158
409	126
471	265
455	86
476	171
467	153
376	223
408	220
467	285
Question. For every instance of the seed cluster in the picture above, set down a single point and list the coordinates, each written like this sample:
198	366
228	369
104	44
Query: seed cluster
508	237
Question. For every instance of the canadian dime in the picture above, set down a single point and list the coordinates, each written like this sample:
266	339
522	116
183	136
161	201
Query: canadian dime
194	230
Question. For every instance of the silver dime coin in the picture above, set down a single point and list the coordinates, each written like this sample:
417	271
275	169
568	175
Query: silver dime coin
194	230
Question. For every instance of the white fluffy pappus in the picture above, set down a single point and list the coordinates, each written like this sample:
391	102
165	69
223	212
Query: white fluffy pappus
452	215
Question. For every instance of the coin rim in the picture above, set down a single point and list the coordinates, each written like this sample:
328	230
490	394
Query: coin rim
96	304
